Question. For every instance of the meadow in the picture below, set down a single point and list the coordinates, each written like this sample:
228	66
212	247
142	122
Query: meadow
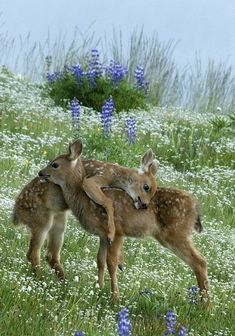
195	151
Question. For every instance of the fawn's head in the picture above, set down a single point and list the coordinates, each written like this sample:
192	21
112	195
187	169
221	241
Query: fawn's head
142	183
65	167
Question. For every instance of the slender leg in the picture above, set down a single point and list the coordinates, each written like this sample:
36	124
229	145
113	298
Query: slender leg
38	236
186	250
92	186
113	256
55	239
101	261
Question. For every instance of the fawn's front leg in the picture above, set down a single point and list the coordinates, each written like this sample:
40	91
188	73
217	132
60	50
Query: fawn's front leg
55	239
92	186
101	262
113	256
102	259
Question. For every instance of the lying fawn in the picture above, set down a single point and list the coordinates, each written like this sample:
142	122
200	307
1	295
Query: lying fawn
139	185
170	218
41	206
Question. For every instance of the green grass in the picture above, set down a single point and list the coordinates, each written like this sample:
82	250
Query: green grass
195	153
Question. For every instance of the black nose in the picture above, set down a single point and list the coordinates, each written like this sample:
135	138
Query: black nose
40	174
141	204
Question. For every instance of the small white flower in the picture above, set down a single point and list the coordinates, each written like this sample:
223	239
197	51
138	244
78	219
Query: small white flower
76	278
87	250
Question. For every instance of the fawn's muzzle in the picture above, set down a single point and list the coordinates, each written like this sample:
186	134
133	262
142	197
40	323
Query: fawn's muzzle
43	177
139	204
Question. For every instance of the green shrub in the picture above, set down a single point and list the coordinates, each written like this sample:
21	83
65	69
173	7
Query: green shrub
96	83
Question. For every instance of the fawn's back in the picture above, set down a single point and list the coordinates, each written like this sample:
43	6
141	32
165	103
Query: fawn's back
36	200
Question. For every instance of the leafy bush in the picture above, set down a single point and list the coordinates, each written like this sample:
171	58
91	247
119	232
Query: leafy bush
96	83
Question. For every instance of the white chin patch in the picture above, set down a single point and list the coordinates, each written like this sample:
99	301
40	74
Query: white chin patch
136	204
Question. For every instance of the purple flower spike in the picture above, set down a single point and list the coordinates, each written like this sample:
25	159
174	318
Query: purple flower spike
106	115
182	331
75	112
78	72
94	63
170	322
141	83
52	77
79	333
193	294
124	325
116	72
130	130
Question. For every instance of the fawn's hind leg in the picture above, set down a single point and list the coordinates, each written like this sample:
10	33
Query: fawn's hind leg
102	258
38	236
55	239
92	186
186	250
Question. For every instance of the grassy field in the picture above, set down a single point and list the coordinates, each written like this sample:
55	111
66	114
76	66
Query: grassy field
196	152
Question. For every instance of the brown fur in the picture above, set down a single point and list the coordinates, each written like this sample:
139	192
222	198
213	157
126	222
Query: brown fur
170	218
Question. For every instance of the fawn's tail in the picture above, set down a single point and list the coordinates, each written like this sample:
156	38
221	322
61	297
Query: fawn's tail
198	225
14	218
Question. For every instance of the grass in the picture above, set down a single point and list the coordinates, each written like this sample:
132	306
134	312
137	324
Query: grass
194	87
195	152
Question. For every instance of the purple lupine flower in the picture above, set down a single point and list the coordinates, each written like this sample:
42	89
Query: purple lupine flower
75	111
79	333
141	83
78	72
91	75
130	125
116	72
193	294
94	63
124	325
106	115
182	331
170	322
52	77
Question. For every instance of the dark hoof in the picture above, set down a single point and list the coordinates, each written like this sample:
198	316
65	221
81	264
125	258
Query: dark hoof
121	267
109	241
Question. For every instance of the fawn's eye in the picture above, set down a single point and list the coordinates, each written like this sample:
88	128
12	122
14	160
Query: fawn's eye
55	165
146	187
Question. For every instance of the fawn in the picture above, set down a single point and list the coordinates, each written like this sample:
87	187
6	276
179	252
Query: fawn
139	185
41	206
170	218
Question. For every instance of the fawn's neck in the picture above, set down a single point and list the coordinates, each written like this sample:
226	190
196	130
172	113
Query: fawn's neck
79	203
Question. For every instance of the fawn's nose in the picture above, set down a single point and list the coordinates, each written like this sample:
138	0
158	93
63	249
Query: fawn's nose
40	174
141	204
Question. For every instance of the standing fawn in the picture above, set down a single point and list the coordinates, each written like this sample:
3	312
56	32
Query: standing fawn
170	218
41	206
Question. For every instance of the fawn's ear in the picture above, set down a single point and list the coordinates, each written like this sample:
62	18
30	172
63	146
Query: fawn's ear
146	160
75	150
153	167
